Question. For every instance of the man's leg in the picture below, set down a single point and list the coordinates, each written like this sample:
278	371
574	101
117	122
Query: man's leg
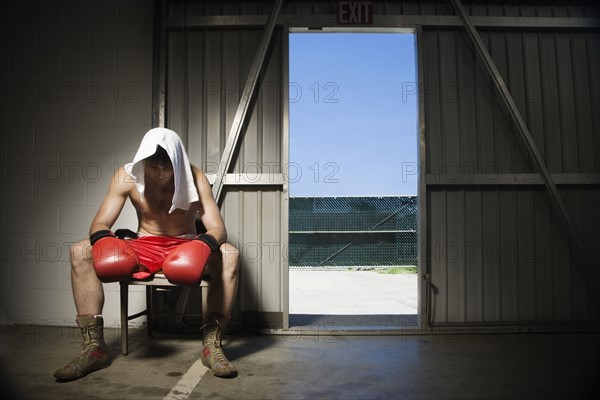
89	300
221	295
87	288
224	283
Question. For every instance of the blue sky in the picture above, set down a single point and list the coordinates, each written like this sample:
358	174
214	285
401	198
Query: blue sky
353	114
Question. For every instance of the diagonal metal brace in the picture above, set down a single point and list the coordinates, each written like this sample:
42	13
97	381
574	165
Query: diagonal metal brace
585	262
241	114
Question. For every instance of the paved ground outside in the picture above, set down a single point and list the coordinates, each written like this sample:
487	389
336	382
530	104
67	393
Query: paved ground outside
352	293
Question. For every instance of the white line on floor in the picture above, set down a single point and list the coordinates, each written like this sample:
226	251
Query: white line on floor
188	382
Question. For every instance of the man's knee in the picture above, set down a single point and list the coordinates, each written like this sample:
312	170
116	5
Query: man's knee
231	256
80	253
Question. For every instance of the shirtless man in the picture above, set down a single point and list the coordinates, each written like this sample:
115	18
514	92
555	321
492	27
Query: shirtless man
165	229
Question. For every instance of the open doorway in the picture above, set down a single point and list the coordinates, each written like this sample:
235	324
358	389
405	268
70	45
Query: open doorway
354	149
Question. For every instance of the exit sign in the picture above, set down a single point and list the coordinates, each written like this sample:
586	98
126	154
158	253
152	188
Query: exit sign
355	13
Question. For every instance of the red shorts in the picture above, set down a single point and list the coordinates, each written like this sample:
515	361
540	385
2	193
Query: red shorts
152	251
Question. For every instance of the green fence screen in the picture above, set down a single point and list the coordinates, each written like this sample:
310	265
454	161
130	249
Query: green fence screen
340	232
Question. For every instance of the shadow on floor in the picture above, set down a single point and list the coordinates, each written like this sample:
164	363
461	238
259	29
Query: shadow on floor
366	321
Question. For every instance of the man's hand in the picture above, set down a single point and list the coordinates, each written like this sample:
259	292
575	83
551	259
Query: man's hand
114	259
186	264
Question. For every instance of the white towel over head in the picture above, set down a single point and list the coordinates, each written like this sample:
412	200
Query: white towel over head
185	189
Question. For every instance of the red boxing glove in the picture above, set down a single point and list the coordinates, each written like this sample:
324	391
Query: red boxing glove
185	265
114	259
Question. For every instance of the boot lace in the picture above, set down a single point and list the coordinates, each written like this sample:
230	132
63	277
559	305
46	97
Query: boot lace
218	354
212	340
86	347
212	335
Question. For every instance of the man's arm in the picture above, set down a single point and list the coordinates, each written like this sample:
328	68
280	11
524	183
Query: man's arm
210	215
113	203
113	258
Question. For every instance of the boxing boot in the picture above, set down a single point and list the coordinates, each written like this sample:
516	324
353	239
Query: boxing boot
92	356
212	354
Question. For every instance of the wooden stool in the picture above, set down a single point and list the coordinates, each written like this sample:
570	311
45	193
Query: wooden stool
159	280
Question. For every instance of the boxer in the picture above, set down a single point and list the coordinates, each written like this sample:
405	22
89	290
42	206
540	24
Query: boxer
169	196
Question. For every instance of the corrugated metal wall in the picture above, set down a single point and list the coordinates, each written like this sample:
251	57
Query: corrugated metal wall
491	246
496	253
206	73
322	9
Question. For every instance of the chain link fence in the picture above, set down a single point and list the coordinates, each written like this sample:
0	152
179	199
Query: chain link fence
351	232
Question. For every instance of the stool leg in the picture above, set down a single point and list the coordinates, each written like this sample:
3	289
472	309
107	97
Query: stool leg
204	295
124	288
149	310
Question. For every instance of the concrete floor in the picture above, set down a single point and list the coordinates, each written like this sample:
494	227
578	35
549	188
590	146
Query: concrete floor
349	300
352	292
325	366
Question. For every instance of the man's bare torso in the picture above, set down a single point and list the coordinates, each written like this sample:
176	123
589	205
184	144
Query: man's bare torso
153	211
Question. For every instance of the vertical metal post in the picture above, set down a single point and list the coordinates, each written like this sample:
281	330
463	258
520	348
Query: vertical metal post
241	115
585	262
423	312
159	63
285	157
